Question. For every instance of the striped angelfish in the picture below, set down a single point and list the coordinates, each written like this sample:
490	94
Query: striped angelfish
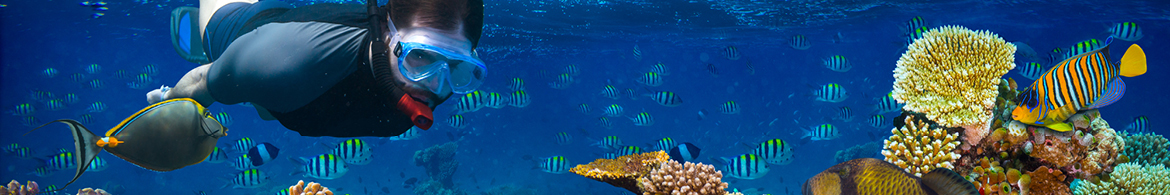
751	69
61	161
637	53
799	42
224	118
1140	124
1087	81
24	109
96	107
555	165
831	92
712	69
584	108
325	166
413	133
243	163
30	121
518	99
572	70
609	143
86	118
887	104
844	114
1032	70
11	147
516	84
471	102
628	150
353	151
98	164
495	100
23	152
643	119
666	98
650	79
630	93
150	69
93	69
44	172
55	104
1127	31
1083	47
613	110
121	74
660	69
610	92
729	107
822	132
774	151
141	81
457	121
877	121
605	123
746	166
562	81
251	178
1056	55
837	63
77	78
665	144
49	72
564	138
71	98
41	96
94	84
731	53
244	144
217	156
914	24
915	35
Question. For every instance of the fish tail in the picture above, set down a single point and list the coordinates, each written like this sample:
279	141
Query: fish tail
945	181
83	141
1133	63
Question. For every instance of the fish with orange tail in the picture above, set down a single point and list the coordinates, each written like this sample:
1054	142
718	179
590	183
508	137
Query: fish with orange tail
874	176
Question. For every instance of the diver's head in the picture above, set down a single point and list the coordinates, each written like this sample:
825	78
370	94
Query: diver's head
431	47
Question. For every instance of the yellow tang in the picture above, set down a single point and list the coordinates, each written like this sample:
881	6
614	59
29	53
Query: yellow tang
874	176
1086	81
162	137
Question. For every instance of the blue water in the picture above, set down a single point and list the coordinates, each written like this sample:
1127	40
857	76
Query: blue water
523	38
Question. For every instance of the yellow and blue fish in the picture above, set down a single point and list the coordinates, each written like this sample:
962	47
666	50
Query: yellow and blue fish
1083	82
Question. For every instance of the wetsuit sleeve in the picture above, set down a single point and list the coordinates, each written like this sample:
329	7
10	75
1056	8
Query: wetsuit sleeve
283	66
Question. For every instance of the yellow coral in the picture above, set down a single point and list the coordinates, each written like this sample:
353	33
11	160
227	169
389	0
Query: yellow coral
624	171
313	188
1129	178
918	149
952	74
1017	132
675	179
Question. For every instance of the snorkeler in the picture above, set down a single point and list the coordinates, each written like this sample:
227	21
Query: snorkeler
338	70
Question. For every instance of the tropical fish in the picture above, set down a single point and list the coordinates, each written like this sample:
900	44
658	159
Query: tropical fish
150	69
413	133
93	68
1140	124
664	144
555	165
605	123
628	150
23	152
495	100
875	176
746	166
44	172
1087	81
353	151
161	137
562	81
630	93
611	92
457	121
610	155
650	79
85	119
95	84
712	69
915	35
660	69
96	107
77	78
1085	46
643	119
98	164
244	144
61	161
684	152
844	114
799	42
822	132
564	138
11	147
217	156
121	74
1032	70
516	84
572	70
613	110
325	166
55	104
224	118
141	81
251	178
24	109
665	98
49	72
637	53
262	153
750	68
1127	31
877	121
837	63
731	53
71	98
41	96
887	104
914	24
774	151
831	92
729	107
518	99
584	108
609	143
243	163
471	102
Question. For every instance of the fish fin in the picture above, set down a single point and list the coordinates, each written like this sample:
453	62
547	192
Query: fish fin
945	181
1133	63
1062	127
84	145
1110	95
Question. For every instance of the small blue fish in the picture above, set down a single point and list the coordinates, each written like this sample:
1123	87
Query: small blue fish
516	84
1127	31
611	92
650	79
729	107
224	118
614	110
747	166
831	92
877	121
605	123
457	121
217	156
519	99
837	63
1140	125
584	108
665	144
24	109
49	72
660	69
628	150
562	81
799	42
325	166
353	151
822	132
643	119
609	143
555	165
262	154
564	138
731	53
251	178
774	151
684	152
93	69
55	104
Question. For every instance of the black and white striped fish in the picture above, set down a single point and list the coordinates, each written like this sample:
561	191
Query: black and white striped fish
572	70
564	138
61	161
684	152
1032	70
413	133
611	92
1127	31
217	156
354	151
584	108
562	81
650	79
519	99
665	98
887	104
660	69
665	144
630	93
251	178
837	63
1140	125
96	107
637	53
609	143
915	35
516	84
325	166
224	118
71	98
243	144
55	104
243	163
822	132
799	42
614	110
98	164
643	119
746	166
1085	46
731	53
263	153
774	151
877	121
457	121
495	100
605	123
729	107
150	69
30	121
711	69
628	150
914	24
555	165
844	114
472	102
831	92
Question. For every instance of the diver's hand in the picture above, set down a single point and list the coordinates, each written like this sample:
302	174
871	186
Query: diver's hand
157	95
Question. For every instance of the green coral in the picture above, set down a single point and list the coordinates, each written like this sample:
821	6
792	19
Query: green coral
1147	149
1128	178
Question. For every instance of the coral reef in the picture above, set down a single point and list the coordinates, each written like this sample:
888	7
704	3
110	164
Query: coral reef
313	188
91	191
432	187
1108	146
624	171
439	162
1129	178
866	150
952	74
509	189
1047	181
679	179
1089	150
918	149
1147	149
14	188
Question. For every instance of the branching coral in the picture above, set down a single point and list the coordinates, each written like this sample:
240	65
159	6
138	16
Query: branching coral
676	179
952	74
439	161
1047	181
1129	178
313	188
624	171
14	188
866	150
1147	149
918	149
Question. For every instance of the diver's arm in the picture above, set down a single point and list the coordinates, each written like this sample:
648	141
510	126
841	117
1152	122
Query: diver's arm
193	85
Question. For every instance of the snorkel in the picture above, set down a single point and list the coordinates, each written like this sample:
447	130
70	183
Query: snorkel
418	112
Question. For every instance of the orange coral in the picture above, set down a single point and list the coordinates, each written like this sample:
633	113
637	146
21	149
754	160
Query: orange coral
313	188
1060	151
1109	145
1046	181
624	171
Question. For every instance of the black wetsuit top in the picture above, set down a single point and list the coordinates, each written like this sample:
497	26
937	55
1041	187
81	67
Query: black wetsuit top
306	65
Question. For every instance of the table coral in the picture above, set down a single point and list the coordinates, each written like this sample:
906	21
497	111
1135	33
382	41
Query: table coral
918	149
623	171
439	162
313	188
676	179
952	74
1147	149
14	188
1129	178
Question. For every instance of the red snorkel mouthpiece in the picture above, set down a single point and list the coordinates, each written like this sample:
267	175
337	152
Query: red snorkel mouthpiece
419	113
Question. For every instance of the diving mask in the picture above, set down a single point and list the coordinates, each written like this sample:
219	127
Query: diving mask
435	60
